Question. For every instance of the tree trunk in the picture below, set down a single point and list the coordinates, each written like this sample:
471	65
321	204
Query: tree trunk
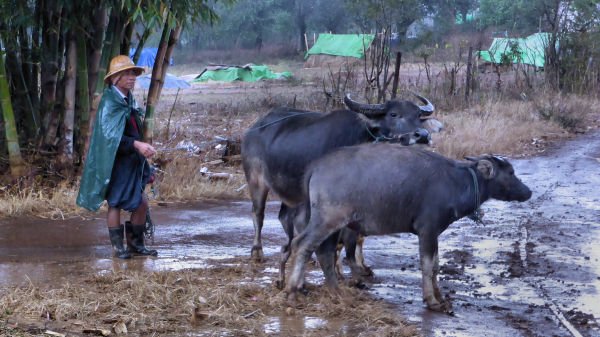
49	49
99	23
66	153
17	168
29	84
126	40
111	47
35	60
83	99
155	82
21	112
173	40
50	65
141	43
53	121
301	24
396	74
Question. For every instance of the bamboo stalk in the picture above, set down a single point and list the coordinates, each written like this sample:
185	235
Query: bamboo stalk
155	82
83	99
17	168
99	24
173	40
66	155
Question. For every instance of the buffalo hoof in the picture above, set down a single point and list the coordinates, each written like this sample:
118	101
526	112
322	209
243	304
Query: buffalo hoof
257	254
445	307
292	299
361	285
366	271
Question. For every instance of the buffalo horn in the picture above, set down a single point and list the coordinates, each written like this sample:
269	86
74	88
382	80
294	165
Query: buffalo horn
427	109
369	110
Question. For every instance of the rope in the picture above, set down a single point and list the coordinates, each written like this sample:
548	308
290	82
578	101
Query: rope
477	214
377	138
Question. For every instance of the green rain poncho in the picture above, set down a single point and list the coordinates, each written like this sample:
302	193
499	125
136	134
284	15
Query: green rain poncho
106	136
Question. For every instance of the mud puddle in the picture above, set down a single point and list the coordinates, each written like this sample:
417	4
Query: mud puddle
532	270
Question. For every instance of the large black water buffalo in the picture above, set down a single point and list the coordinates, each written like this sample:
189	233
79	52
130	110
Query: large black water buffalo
387	189
277	149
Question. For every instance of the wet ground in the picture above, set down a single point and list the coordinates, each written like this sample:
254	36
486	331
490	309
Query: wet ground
532	270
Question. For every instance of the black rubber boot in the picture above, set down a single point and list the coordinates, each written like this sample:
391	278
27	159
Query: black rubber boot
116	240
135	240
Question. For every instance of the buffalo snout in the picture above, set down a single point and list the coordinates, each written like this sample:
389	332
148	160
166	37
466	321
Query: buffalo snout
419	136
522	192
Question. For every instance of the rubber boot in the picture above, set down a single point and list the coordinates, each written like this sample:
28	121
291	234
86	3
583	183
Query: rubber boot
116	240
135	240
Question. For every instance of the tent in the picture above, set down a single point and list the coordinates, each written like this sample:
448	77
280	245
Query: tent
353	45
171	82
246	73
530	50
147	57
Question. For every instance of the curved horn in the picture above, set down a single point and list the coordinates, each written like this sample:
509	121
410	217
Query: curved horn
427	109
369	110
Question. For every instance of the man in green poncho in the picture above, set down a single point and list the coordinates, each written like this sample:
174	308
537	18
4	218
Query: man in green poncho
116	169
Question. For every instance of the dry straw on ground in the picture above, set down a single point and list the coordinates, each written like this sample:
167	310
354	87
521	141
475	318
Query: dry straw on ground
234	300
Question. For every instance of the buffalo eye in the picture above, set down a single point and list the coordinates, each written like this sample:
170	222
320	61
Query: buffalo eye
393	114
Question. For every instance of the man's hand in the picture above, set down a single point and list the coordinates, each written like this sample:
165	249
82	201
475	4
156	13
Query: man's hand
145	149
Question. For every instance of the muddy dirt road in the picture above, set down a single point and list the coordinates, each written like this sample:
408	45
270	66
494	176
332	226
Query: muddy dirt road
532	270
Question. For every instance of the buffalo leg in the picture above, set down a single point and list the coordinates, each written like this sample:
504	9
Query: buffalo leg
428	249
258	194
360	258
339	271
326	254
287	217
303	246
353	244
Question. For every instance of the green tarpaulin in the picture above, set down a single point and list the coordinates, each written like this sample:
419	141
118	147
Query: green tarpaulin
246	74
353	45
530	49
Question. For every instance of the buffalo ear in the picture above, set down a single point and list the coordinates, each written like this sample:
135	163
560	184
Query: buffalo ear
372	123
486	168
432	125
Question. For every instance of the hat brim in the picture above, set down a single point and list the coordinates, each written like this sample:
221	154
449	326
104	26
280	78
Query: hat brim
139	71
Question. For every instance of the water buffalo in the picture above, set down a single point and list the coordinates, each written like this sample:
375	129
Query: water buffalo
277	149
378	189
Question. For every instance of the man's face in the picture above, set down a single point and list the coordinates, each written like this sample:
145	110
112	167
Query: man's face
127	80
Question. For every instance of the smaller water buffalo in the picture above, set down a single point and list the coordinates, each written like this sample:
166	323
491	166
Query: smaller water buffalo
378	189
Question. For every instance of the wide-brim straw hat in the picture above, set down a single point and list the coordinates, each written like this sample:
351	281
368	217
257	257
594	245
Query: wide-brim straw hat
121	63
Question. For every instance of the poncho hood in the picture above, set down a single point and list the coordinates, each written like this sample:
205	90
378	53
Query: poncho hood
106	136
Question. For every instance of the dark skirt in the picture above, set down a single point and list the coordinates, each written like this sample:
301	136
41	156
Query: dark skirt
129	177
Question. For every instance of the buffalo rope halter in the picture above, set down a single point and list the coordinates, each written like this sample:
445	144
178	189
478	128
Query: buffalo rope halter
477	214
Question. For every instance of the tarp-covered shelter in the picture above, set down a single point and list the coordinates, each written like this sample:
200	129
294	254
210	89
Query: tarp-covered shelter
147	57
339	45
531	50
171	82
246	73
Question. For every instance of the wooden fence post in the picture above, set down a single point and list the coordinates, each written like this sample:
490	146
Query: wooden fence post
396	74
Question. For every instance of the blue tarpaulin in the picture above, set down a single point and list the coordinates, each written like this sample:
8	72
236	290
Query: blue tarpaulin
147	58
171	82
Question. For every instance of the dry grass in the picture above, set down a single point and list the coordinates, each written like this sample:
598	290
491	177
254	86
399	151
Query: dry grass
230	301
54	203
502	127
